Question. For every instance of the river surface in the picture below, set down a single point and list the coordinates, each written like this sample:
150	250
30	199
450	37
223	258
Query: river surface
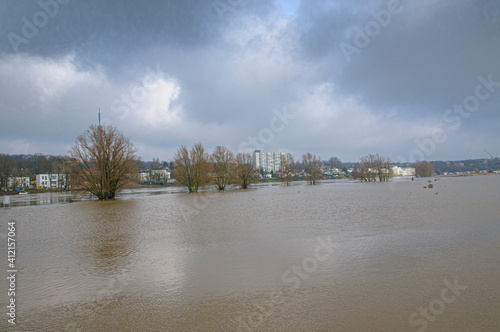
340	256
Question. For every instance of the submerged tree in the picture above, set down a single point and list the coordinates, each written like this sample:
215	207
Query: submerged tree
223	163
334	162
245	173
373	166
312	166
383	167
288	168
192	167
424	169
104	161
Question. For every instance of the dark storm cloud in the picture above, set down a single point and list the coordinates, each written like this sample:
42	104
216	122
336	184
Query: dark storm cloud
430	52
178	72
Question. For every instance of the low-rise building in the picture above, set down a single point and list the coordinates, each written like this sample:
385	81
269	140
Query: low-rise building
19	181
400	171
155	176
52	181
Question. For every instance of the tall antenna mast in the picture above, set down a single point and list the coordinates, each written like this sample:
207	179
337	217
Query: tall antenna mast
99	116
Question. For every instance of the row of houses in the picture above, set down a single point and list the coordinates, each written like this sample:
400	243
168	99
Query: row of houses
42	181
59	181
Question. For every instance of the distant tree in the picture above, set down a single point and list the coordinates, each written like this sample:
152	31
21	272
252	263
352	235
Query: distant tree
245	173
192	167
105	161
16	182
7	163
262	172
156	164
155	173
373	166
14	177
424	169
223	163
367	169
312	166
287	169
335	162
383	167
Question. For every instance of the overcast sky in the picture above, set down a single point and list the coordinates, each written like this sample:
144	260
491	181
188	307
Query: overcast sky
406	79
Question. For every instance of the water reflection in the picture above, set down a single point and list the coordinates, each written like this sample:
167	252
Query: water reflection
108	235
40	199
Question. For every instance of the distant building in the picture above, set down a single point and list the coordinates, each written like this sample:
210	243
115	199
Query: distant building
268	161
399	171
52	181
20	181
156	176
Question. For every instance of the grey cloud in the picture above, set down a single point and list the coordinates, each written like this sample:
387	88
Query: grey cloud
233	69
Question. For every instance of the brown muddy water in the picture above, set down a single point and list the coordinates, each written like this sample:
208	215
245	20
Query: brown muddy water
332	257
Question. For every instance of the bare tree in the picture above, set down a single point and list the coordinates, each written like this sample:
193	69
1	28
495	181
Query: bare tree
312	166
288	168
105	161
156	175
366	169
334	162
223	163
383	167
373	166
245	173
192	167
424	169
156	163
15	178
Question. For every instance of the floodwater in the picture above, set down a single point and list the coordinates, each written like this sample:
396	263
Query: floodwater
338	256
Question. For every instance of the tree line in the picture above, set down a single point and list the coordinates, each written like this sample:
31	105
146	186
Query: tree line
13	166
103	161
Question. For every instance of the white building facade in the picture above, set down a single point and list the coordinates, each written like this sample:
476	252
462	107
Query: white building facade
156	176
268	161
51	180
399	171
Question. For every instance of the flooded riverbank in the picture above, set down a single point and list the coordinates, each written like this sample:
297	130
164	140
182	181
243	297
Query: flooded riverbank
337	256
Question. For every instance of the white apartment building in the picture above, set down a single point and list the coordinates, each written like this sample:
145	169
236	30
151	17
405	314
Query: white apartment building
268	161
51	180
